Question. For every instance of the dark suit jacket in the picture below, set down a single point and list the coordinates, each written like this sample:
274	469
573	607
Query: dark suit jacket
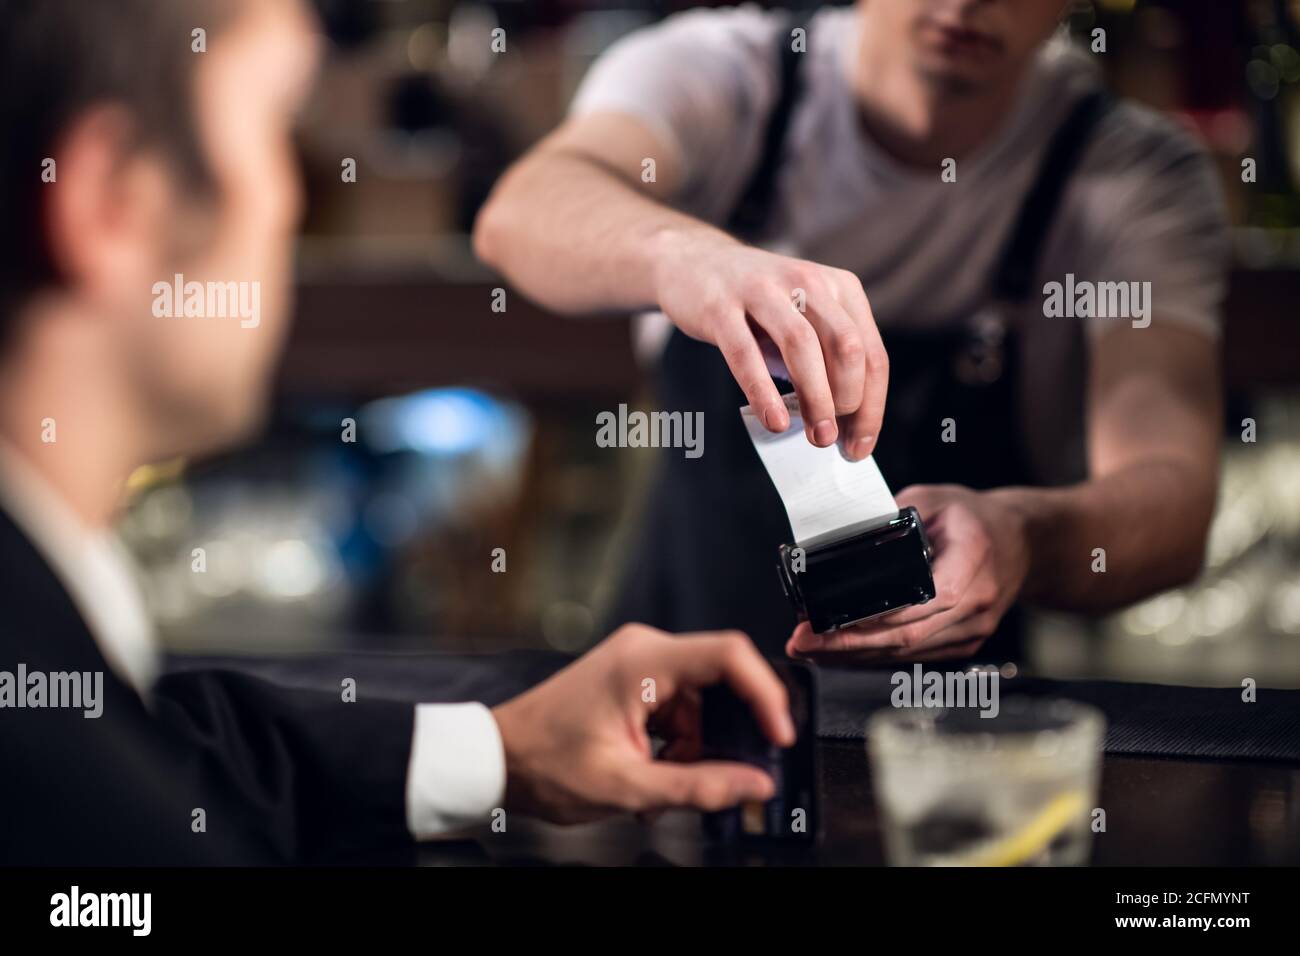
282	775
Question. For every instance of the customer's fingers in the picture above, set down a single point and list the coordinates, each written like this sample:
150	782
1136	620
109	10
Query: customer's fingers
700	660
707	785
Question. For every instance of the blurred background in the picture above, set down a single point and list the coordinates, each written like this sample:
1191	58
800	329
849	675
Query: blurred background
430	478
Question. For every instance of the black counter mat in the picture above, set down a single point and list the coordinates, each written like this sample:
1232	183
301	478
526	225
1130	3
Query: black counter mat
1148	719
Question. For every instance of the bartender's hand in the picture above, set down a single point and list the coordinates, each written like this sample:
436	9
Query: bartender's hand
981	561
743	300
577	746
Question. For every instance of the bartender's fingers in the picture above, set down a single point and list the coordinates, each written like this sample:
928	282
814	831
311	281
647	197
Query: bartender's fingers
953	580
867	657
742	354
795	337
860	431
708	785
804	643
843	351
959	639
972	622
862	656
962	550
700	660
878	636
903	630
884	646
928	500
849	639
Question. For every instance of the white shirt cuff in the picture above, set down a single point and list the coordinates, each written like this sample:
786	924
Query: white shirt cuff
457	774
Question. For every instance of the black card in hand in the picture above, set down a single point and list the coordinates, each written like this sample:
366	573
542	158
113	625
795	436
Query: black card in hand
730	732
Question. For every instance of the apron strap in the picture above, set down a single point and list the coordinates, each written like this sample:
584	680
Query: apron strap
752	209
1018	265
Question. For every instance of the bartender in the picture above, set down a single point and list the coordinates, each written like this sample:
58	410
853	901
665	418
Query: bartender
927	219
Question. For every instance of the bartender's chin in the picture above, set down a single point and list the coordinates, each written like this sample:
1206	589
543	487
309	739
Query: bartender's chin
957	73
954	79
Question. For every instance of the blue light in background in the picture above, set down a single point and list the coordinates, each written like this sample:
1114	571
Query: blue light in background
444	422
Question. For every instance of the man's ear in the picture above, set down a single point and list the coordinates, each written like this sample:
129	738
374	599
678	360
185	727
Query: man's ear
104	214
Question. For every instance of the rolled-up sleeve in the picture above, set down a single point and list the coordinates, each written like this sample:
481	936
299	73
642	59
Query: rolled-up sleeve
701	81
1159	217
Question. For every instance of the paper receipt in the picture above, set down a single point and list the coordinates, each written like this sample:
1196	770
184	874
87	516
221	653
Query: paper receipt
822	490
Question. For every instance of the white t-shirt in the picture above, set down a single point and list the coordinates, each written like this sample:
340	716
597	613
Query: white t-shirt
1144	205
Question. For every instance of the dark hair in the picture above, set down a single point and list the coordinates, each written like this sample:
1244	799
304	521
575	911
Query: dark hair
59	58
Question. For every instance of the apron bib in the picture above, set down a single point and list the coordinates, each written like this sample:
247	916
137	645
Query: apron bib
705	554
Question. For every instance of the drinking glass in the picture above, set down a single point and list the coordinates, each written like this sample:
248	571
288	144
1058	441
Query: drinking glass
958	789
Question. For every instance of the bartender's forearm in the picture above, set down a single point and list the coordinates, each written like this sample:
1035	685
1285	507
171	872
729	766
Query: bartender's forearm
1149	521
1155	417
573	226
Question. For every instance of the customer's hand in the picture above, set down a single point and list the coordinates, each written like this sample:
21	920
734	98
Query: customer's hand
747	301
981	560
578	745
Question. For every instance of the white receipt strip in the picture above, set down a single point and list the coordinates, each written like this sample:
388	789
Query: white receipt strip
822	490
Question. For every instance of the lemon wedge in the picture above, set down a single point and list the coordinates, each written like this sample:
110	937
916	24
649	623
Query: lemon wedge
1031	839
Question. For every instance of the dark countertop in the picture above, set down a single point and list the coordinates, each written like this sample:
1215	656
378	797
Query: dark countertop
1159	812
1238	809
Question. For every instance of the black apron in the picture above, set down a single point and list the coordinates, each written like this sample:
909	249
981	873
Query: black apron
705	556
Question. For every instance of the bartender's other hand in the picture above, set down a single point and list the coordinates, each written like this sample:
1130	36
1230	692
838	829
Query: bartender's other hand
744	299
981	559
578	745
